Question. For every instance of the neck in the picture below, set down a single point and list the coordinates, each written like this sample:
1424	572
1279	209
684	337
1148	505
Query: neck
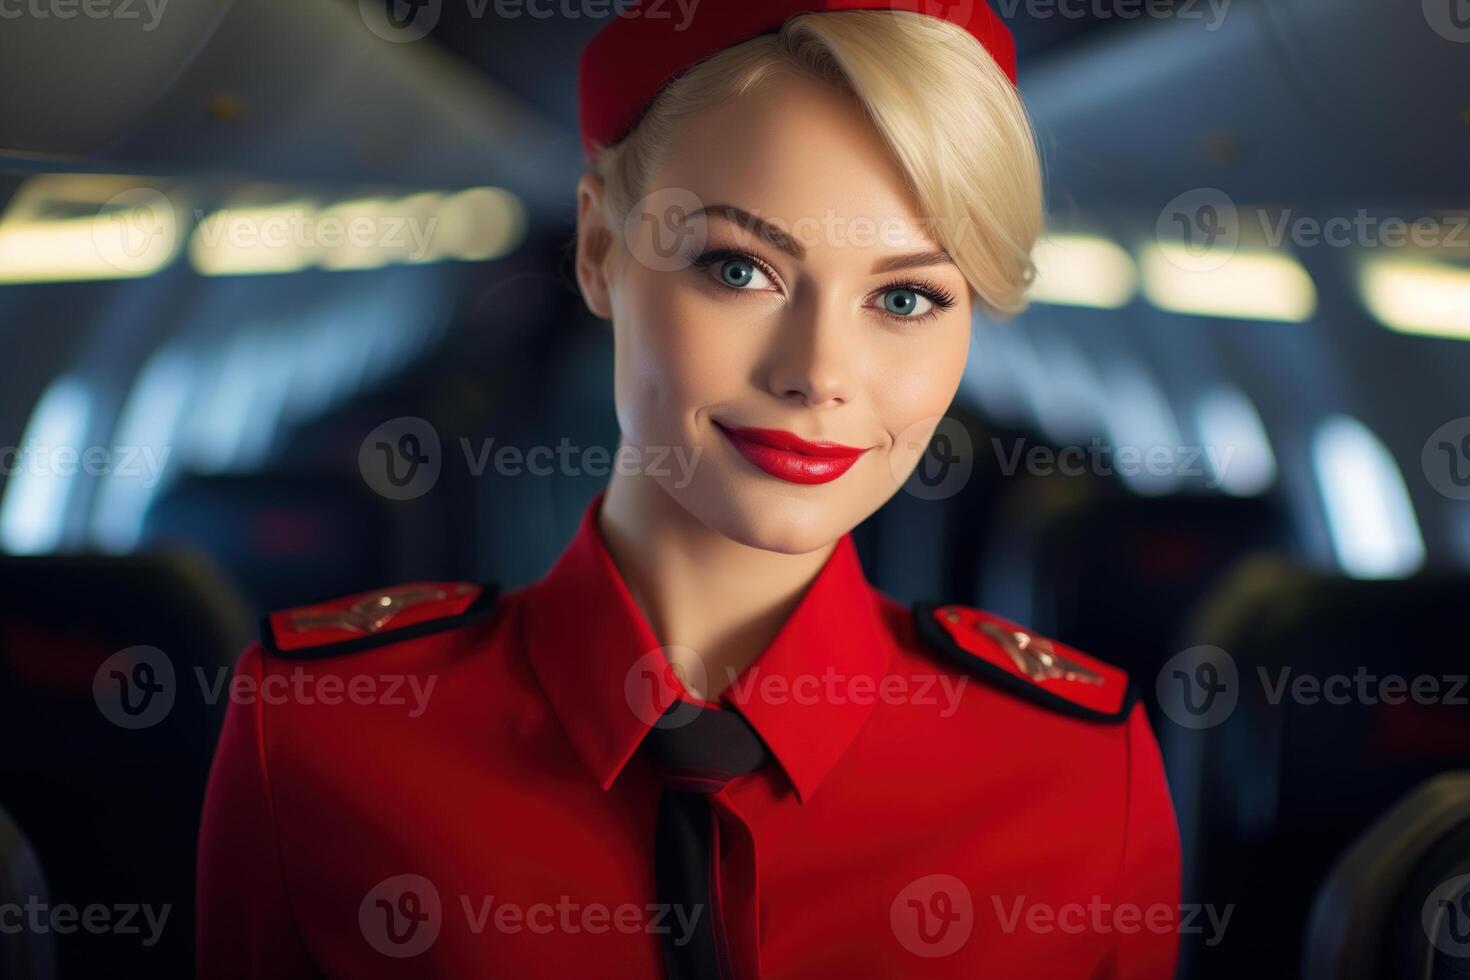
714	603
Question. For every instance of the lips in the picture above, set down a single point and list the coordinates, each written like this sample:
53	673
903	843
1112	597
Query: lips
789	457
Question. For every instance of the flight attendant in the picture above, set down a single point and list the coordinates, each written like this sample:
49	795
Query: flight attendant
702	745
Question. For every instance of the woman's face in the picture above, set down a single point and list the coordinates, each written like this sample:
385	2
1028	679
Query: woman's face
778	276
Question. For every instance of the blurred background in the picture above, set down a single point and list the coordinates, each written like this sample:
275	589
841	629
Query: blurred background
247	244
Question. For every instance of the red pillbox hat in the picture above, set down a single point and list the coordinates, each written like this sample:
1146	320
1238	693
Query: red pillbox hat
630	60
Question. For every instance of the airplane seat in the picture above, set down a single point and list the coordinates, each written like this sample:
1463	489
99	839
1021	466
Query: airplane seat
551	416
110	700
1397	902
25	953
1326	699
288	539
1082	559
926	542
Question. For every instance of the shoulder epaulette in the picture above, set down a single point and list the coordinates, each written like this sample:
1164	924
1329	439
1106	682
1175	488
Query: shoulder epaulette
353	623
1025	664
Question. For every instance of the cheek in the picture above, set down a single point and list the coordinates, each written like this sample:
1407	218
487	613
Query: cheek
676	351
919	380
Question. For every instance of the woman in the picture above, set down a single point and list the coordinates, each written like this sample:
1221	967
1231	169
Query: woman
702	745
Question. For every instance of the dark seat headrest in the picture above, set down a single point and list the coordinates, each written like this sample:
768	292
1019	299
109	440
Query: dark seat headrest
1397	903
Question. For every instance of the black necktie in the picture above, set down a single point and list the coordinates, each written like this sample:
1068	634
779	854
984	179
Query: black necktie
696	752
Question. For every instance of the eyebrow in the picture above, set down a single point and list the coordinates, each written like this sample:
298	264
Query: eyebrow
767	231
936	257
778	238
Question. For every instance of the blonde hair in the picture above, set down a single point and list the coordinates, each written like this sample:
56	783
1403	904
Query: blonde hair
951	117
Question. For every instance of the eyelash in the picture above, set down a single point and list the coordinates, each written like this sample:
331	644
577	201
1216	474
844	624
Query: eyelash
936	294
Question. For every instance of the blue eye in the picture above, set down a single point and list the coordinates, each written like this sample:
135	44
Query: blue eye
737	272
905	302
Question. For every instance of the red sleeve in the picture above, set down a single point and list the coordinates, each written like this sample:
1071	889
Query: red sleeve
1150	873
245	925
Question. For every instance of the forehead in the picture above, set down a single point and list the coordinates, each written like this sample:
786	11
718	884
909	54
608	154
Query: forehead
803	154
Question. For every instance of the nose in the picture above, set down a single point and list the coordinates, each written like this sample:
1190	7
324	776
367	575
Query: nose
813	363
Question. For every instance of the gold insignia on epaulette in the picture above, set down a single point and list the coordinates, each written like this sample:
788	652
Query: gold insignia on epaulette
370	613
1035	657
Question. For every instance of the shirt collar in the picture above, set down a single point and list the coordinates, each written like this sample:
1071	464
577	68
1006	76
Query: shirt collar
806	695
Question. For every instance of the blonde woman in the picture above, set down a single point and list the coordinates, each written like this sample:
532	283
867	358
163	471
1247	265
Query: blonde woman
702	745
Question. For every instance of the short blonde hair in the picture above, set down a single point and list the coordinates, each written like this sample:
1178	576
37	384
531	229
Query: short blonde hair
951	117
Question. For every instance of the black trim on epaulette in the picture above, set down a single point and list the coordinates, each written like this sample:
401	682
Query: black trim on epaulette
935	635
478	610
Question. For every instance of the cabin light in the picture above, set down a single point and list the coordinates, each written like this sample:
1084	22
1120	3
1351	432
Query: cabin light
473	225
80	227
1142	429
362	234
43	473
1250	285
1237	449
254	240
476	225
1083	270
1370	516
1417	296
149	420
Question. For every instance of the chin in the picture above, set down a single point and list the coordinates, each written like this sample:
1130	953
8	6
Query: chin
787	521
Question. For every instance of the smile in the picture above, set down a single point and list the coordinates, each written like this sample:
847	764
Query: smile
789	457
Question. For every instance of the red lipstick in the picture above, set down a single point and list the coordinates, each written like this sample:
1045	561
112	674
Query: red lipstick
789	457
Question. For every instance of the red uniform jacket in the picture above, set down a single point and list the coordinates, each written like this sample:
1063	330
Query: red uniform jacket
438	782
